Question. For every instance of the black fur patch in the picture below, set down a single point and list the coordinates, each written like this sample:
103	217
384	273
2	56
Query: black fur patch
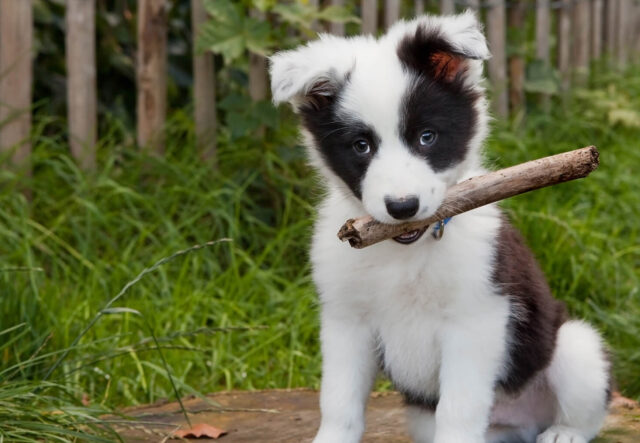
535	315
611	383
334	136
422	401
437	101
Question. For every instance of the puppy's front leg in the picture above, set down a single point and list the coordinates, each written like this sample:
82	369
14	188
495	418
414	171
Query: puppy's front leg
348	372
472	354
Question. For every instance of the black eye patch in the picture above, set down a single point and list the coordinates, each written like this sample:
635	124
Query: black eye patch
450	112
334	137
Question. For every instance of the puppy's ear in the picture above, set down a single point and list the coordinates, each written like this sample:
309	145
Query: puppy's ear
311	75
445	48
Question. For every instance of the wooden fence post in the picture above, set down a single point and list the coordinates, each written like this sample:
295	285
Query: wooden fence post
581	21
369	14
447	7
517	16
496	35
152	74
610	34
82	99
564	43
419	8
543	33
16	43
621	42
636	33
391	12
337	28
258	81
473	4
543	30
204	89
315	25
597	14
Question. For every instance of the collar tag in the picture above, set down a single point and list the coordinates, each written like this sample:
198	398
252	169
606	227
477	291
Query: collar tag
438	229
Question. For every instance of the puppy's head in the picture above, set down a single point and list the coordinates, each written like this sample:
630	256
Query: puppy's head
392	121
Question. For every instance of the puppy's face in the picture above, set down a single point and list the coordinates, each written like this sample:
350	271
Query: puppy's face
394	121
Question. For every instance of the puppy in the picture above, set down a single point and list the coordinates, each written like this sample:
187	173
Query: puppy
464	325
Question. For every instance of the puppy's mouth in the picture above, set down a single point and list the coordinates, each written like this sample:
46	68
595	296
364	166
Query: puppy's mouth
409	237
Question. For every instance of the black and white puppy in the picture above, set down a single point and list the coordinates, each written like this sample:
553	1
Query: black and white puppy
465	326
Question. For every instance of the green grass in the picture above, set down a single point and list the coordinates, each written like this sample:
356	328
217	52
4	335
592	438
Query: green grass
243	314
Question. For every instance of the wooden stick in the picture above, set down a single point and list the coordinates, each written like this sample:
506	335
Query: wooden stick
480	191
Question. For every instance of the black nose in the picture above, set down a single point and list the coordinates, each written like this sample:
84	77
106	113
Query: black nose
402	208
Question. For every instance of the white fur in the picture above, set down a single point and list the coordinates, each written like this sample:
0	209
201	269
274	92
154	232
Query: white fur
432	304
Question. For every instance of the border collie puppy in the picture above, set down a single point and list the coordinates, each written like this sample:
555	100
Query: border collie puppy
465	326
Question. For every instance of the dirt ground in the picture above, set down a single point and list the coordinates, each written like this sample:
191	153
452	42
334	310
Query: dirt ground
285	416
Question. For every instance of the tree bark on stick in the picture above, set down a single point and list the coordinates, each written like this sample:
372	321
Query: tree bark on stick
152	74
480	191
16	42
82	96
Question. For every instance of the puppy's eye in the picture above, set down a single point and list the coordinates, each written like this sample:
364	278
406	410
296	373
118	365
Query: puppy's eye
361	147
428	137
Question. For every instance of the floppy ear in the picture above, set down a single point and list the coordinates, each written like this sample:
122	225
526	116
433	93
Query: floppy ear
446	48
313	74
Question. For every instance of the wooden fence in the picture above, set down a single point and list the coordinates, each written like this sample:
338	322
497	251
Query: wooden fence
584	30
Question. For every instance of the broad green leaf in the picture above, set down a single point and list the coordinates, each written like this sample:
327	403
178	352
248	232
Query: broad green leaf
337	14
296	14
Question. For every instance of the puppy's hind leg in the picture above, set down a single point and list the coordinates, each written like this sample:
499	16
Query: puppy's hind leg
579	376
422	424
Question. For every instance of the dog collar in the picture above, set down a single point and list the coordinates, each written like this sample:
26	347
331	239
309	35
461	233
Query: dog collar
438	229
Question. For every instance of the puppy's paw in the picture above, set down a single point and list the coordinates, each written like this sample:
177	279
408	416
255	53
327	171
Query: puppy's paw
328	434
561	434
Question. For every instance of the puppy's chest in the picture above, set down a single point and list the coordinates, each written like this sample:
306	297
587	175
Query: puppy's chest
409	349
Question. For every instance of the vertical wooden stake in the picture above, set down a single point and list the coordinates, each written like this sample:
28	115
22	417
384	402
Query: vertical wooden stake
391	12
447	7
152	74
82	100
369	10
581	21
517	15
419	8
473	4
621	38
204	89
610	34
315	25
543	33
636	33
564	43
16	43
258	81
597	14
496	35
337	28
